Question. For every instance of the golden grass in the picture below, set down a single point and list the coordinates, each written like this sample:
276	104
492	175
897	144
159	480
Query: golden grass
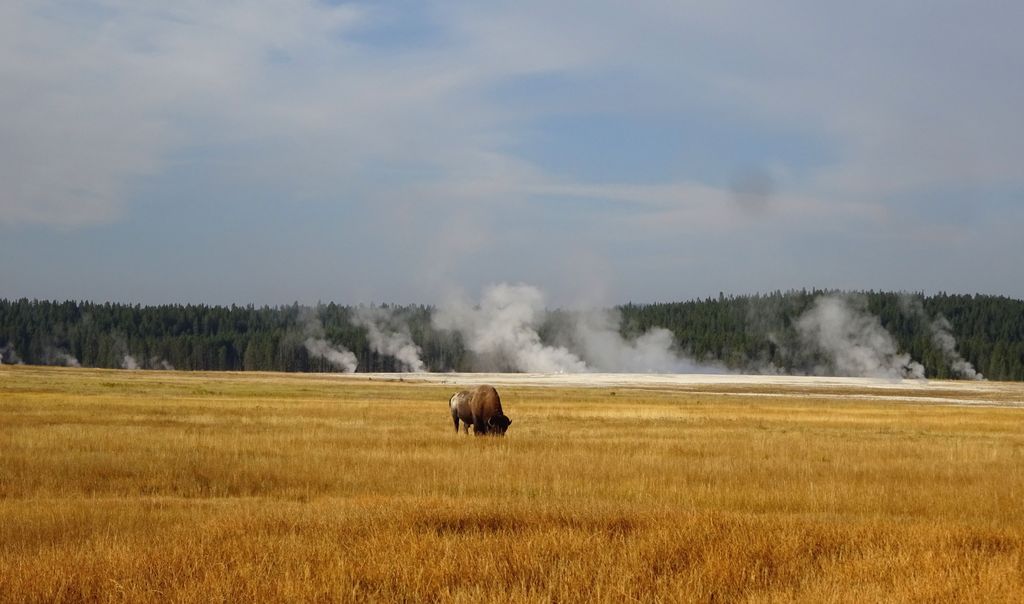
148	486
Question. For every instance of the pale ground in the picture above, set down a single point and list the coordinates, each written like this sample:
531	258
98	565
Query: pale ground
943	392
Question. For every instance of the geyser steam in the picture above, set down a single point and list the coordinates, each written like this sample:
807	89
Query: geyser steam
338	356
389	335
854	341
56	356
604	348
503	333
8	355
942	337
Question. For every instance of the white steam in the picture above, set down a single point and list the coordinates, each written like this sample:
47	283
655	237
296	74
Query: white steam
604	348
158	363
9	356
503	333
338	356
56	356
132	363
854	341
942	337
388	335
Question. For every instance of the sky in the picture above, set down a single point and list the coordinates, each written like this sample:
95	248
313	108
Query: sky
270	152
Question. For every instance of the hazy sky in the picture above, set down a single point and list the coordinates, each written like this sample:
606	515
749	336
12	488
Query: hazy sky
267	152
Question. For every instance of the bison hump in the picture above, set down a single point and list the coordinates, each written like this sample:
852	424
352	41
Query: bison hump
485	402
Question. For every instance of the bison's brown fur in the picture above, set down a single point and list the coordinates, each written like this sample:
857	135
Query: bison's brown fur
481	407
459	404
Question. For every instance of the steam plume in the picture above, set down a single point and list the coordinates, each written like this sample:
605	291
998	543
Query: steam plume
603	347
942	337
389	335
130	362
503	332
56	356
158	363
8	355
338	356
854	341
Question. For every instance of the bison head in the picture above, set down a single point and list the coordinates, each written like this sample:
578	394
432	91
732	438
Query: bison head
499	423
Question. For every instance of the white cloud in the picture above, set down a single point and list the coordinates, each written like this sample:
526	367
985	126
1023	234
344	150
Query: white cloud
99	97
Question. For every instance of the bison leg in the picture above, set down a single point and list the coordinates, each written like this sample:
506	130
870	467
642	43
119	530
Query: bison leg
479	427
455	418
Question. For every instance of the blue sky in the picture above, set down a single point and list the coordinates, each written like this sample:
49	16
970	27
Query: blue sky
269	152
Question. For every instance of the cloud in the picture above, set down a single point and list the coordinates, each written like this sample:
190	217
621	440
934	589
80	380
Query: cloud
98	96
418	137
909	108
102	95
75	131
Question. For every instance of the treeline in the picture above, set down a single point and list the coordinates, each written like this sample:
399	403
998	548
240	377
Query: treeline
754	332
747	333
200	337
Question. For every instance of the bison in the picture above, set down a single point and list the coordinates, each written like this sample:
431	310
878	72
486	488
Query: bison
481	407
459	403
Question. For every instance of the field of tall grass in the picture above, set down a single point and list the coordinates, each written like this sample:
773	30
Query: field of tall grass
123	486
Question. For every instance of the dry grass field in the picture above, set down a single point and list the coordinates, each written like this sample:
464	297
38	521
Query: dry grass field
160	486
